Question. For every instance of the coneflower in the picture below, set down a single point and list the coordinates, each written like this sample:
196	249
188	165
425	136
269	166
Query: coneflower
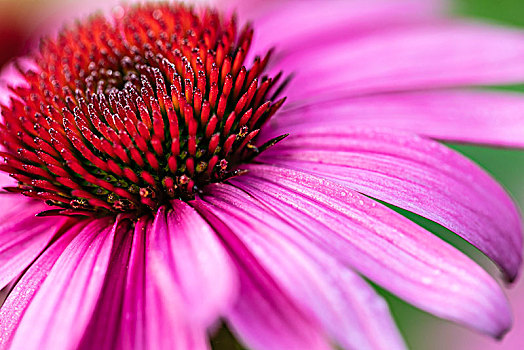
160	184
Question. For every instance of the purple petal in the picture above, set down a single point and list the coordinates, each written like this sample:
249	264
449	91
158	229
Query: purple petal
104	326
456	339
21	296
479	117
293	26
415	174
382	245
168	322
22	235
418	57
6	180
198	264
344	304
10	77
62	307
264	316
133	328
153	315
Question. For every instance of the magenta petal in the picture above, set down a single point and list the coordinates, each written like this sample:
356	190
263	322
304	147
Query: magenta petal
62	307
154	314
382	245
197	263
264	316
168	324
10	77
104	326
133	327
22	235
479	117
345	305
21	296
415	174
162	318
6	180
417	57
292	26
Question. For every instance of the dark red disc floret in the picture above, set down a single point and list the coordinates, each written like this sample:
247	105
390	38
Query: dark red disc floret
124	113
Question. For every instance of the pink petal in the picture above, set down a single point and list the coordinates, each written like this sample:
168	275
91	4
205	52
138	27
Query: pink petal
456	339
264	316
6	180
21	296
153	315
292	26
10	77
382	245
173	327
62	307
167	320
133	327
415	174
197	263
104	326
419	57
345	305
22	235
480	117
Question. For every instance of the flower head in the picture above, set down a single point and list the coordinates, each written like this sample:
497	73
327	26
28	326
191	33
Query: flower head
126	115
166	199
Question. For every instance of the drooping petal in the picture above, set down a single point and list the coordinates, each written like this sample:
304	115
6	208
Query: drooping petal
22	235
415	174
21	296
62	307
264	316
418	57
198	264
479	117
382	245
104	326
347	307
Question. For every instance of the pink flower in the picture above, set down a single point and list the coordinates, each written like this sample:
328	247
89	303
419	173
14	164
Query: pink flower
151	146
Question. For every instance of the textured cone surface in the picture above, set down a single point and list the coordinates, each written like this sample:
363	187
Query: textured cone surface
124	113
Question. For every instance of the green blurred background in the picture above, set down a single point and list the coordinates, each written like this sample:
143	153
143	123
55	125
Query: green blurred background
19	19
503	11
